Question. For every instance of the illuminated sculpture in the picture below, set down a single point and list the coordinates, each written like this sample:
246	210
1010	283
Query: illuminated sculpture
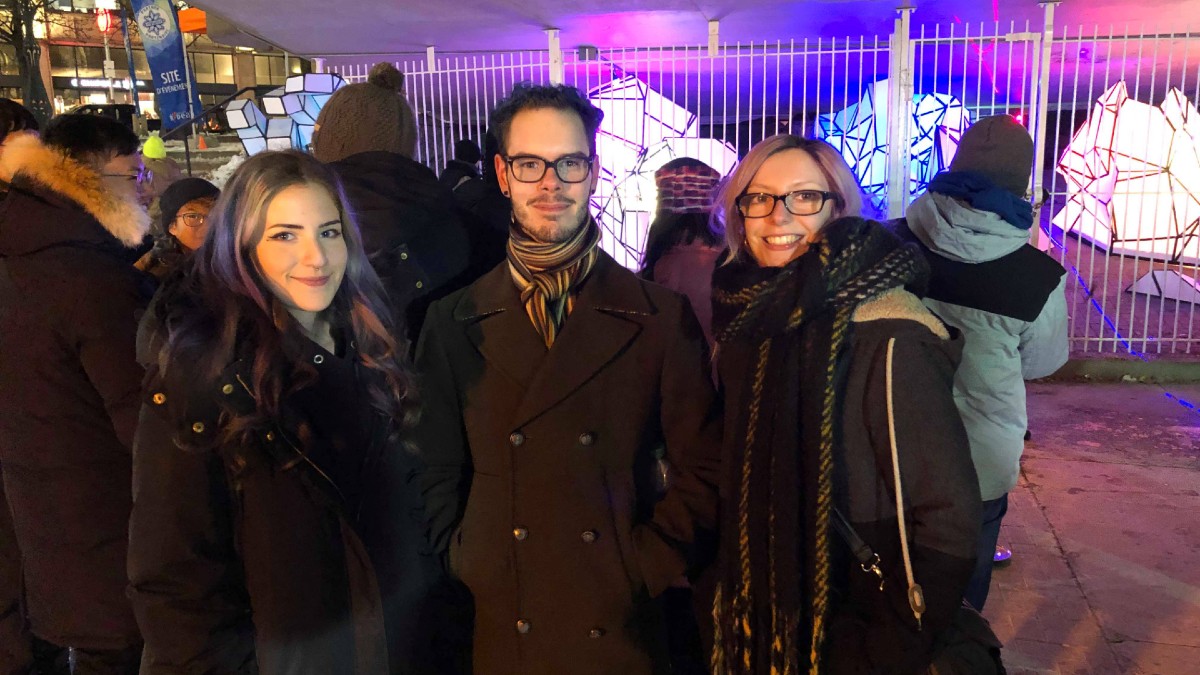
249	122
1133	179
860	134
291	113
642	130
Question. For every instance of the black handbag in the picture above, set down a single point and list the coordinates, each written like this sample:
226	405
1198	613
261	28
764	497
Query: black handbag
968	646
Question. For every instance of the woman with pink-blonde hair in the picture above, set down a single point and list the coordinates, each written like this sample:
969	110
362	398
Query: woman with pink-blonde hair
841	433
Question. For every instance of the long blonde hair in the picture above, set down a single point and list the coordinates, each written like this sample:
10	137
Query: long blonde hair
841	181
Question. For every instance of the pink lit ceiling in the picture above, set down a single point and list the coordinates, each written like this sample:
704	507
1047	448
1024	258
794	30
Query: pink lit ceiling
331	27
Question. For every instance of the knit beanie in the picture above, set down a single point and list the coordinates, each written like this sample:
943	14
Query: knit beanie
180	193
999	148
685	185
368	116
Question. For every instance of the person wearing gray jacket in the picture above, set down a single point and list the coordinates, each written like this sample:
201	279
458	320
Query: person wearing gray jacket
1006	297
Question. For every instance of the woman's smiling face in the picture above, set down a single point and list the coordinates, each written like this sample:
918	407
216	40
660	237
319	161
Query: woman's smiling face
302	253
781	237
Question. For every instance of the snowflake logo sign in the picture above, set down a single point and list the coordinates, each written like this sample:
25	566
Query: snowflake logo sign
154	23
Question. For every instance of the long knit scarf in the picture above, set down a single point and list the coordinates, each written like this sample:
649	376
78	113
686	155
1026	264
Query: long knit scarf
791	326
548	273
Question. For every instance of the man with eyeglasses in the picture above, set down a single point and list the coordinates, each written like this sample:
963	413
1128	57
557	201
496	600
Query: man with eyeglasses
551	388
70	383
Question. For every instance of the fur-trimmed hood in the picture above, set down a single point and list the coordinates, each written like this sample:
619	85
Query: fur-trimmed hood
53	176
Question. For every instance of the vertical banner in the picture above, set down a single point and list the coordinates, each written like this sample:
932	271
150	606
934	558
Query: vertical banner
177	100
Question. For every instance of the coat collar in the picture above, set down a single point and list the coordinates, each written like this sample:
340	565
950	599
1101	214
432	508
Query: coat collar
607	316
26	157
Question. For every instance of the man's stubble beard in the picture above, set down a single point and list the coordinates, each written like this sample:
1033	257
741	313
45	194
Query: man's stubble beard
549	231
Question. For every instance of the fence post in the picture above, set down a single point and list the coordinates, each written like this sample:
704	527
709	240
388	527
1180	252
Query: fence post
430	59
318	65
900	96
556	56
714	38
1041	239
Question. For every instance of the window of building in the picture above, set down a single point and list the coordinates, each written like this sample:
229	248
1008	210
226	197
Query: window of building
224	68
262	69
8	60
204	69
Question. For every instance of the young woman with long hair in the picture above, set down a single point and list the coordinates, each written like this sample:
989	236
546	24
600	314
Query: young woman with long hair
829	366
275	528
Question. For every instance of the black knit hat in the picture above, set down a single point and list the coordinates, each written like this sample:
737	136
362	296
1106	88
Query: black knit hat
180	193
1001	149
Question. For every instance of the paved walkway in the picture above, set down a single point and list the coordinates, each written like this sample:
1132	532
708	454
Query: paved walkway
1105	529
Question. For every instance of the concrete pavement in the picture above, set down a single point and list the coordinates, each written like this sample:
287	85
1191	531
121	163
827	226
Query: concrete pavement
1105	530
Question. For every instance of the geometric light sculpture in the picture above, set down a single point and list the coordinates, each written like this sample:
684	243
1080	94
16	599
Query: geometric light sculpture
248	121
1133	179
291	113
279	103
860	134
281	133
641	131
305	96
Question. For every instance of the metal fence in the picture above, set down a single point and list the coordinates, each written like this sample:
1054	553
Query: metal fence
895	106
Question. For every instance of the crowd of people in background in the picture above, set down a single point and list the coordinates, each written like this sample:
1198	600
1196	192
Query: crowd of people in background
345	415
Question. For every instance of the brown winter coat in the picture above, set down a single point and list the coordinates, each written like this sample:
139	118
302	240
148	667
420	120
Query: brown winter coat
564	541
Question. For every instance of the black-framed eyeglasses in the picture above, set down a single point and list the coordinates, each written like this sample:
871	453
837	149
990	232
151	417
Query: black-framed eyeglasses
531	168
192	219
797	202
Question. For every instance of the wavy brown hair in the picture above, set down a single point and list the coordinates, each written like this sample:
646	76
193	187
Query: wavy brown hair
219	309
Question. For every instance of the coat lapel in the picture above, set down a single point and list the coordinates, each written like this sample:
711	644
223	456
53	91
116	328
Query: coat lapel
497	325
603	322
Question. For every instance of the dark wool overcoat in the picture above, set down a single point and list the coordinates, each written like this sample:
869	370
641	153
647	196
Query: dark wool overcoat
542	472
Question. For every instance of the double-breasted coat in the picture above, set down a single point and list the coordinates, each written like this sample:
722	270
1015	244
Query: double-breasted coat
541	468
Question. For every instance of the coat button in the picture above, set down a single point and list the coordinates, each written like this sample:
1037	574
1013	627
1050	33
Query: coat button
198	427
403	256
420	284
227	389
318	359
596	633
587	438
589	536
524	626
516	438
159	398
270	435
520	533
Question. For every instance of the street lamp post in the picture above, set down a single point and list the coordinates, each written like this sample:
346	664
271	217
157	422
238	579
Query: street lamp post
104	23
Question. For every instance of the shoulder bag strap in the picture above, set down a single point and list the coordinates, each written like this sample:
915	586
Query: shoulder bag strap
916	599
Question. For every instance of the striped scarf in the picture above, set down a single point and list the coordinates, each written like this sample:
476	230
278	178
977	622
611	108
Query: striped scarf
548	274
784	336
